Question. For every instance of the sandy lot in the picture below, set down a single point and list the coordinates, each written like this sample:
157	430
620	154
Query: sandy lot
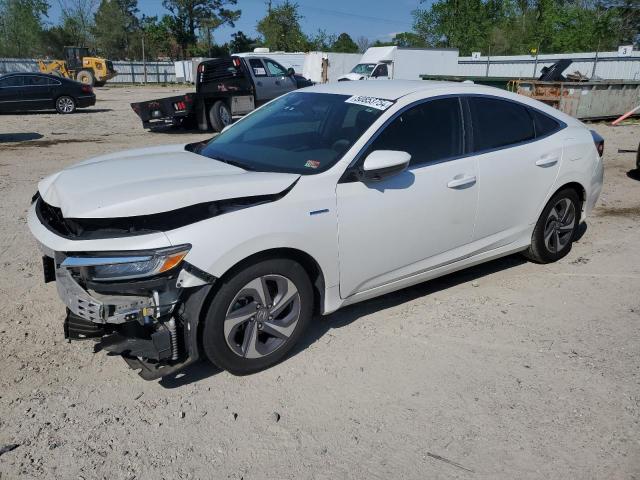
508	370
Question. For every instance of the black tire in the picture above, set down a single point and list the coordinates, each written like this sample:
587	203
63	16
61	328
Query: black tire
214	341
560	235
219	115
86	77
65	104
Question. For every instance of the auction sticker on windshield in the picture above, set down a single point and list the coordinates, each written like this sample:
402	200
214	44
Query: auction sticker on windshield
374	102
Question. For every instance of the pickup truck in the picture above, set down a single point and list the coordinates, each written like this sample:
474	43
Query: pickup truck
225	88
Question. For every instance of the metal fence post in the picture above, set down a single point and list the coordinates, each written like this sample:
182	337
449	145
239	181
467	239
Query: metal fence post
133	73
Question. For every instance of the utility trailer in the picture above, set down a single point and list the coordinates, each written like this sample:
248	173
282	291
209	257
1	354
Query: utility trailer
225	88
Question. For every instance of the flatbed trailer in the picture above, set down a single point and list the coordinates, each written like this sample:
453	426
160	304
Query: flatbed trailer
225	88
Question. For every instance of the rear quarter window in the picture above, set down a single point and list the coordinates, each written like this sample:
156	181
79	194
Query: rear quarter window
499	123
544	124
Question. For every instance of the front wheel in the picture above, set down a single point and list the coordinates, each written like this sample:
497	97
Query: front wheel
556	228
257	316
219	115
65	104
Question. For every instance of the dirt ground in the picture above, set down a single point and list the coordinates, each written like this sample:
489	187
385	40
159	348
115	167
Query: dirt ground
509	370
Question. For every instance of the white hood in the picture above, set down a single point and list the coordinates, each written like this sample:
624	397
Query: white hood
352	76
152	180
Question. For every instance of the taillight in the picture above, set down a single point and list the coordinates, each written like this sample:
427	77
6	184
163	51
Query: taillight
87	88
598	141
180	106
201	68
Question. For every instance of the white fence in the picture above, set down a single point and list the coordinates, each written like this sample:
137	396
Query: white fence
128	72
608	65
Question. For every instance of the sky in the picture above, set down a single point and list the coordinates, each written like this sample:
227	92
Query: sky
374	19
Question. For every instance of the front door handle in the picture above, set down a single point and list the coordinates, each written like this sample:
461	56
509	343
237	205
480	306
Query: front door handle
277	82
547	161
460	182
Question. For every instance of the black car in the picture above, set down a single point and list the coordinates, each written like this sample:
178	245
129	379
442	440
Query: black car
38	91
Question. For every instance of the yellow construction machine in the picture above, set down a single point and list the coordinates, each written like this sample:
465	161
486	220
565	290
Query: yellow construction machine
78	65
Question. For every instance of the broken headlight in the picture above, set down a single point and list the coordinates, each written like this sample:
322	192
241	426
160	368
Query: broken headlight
128	265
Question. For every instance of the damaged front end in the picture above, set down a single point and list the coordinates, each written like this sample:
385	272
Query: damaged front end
142	305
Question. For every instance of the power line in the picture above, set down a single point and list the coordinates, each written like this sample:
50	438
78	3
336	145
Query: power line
331	12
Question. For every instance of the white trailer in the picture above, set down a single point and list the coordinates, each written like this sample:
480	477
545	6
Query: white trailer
403	63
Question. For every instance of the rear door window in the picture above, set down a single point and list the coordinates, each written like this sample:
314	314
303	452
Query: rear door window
257	67
499	123
429	132
35	81
544	124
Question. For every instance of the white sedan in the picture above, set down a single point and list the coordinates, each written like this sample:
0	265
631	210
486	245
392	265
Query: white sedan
322	198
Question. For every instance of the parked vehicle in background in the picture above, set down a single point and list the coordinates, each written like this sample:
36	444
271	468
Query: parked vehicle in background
79	65
225	88
397	63
37	91
323	198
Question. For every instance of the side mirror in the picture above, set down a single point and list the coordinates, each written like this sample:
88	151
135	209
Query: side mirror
382	164
290	72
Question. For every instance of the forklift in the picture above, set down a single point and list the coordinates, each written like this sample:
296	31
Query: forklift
78	65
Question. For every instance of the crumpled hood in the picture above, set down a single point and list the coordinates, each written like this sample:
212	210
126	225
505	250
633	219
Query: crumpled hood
152	180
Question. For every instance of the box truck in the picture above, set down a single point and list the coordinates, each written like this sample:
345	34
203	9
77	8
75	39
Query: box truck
403	63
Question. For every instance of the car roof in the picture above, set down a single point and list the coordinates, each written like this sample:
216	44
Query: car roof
387	89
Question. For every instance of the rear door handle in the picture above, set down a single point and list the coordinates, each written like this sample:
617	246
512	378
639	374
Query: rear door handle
462	182
547	161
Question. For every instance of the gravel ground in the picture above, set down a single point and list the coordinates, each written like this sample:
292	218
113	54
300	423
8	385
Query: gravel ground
507	370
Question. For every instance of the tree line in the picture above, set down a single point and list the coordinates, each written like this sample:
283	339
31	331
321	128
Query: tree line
116	29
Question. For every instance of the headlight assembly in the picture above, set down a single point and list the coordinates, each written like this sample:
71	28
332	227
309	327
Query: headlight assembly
128	265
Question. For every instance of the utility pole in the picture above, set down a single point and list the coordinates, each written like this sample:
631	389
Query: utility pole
144	61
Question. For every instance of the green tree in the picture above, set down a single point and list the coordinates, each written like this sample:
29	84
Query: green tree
241	43
344	44
281	29
188	17
77	20
116	27
459	24
321	41
409	40
21	27
158	39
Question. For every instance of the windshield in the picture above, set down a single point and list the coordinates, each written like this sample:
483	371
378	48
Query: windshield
364	68
301	132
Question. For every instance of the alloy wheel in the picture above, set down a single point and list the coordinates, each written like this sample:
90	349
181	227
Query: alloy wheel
262	316
65	104
560	225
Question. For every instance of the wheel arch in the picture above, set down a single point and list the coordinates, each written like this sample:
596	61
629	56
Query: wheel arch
578	188
310	265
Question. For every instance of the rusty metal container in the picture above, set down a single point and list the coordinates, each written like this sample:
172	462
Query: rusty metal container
583	100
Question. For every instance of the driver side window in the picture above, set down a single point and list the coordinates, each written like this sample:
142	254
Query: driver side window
275	69
429	132
381	71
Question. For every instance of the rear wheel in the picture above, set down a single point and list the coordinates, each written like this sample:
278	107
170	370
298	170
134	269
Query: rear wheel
556	228
219	115
65	104
86	77
257	316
